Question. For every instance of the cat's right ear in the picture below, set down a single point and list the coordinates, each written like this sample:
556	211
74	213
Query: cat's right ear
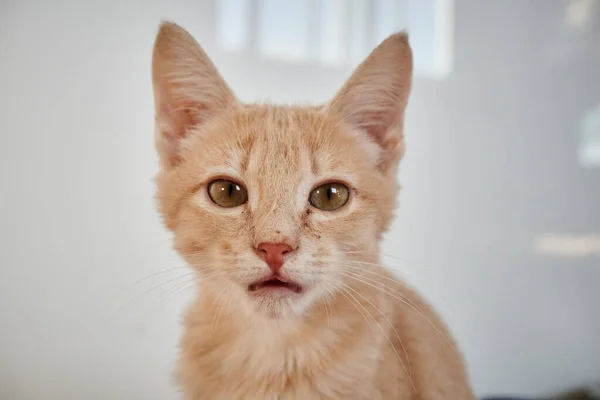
188	89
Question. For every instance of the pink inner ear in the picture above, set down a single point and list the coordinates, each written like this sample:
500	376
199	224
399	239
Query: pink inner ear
177	121
174	124
378	124
383	126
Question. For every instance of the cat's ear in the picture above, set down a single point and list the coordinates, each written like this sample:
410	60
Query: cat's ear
188	89
374	98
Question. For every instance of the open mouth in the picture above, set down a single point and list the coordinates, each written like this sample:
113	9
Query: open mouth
274	284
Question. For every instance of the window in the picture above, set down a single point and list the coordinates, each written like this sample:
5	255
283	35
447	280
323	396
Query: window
336	33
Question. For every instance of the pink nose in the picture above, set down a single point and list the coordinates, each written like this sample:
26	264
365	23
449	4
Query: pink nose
273	254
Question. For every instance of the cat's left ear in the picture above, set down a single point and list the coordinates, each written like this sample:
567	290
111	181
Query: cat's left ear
373	100
188	89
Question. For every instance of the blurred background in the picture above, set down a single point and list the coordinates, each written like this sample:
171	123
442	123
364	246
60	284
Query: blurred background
499	219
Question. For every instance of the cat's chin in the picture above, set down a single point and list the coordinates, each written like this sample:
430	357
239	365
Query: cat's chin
276	300
274	287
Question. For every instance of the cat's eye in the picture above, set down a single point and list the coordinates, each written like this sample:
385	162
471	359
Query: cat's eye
226	193
329	196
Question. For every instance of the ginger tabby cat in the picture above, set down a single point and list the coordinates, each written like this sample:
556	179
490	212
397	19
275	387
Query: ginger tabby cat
280	211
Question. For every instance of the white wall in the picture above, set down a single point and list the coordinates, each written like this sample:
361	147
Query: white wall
78	222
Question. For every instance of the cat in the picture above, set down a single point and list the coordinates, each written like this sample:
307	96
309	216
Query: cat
280	211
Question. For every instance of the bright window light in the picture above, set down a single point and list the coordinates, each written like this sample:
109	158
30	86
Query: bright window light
337	33
589	147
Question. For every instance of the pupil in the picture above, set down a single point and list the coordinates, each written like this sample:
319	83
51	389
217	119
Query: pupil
329	193
230	189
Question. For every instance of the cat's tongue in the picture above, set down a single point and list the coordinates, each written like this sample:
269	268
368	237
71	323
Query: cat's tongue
274	284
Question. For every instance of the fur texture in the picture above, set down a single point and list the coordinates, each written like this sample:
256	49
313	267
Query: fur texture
355	331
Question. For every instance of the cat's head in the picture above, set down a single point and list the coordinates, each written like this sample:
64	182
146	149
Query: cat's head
277	206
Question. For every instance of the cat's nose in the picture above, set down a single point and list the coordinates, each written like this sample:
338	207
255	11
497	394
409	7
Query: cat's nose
273	254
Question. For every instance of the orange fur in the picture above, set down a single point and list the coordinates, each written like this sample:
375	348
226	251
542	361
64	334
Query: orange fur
356	331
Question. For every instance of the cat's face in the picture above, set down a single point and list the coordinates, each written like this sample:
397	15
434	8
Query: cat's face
276	206
278	157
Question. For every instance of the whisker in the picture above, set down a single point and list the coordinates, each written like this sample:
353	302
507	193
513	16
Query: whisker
387	255
381	329
189	286
329	304
211	272
170	293
408	304
359	271
356	263
409	372
344	293
134	284
152	289
393	272
390	278
217	315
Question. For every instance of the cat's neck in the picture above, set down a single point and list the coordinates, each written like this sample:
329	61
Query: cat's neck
222	338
